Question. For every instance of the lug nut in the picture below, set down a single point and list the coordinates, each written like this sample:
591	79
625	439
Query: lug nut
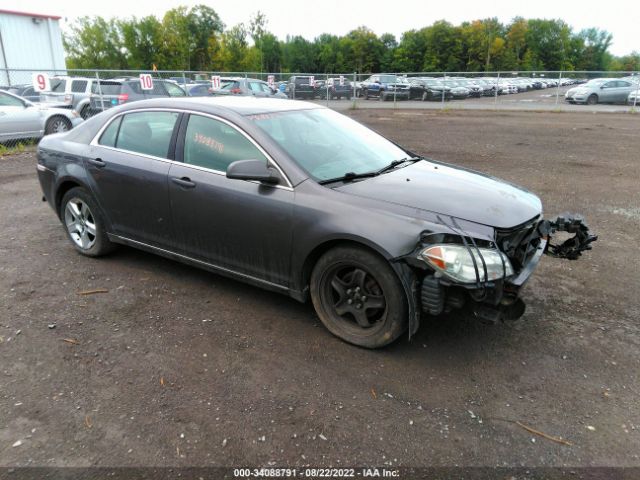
358	306
349	291
349	301
363	298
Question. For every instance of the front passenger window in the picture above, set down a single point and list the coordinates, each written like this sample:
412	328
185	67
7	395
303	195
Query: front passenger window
215	145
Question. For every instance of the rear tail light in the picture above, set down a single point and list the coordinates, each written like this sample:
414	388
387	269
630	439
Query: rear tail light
68	98
122	98
235	90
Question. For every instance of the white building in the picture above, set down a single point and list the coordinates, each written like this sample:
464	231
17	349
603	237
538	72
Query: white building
30	41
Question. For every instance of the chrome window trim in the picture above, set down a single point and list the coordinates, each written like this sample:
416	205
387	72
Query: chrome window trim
195	260
96	138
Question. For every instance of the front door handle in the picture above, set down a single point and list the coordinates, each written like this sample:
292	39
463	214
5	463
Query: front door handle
98	162
184	182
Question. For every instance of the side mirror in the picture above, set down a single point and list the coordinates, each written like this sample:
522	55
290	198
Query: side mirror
253	170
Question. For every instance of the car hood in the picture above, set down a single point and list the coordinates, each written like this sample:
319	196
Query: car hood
451	191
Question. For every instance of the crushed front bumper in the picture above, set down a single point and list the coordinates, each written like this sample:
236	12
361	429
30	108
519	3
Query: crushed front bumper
496	300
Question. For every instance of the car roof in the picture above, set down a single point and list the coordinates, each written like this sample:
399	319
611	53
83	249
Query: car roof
238	104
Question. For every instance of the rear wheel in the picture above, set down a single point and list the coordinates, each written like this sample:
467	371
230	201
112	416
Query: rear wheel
358	297
84	223
85	112
593	99
57	124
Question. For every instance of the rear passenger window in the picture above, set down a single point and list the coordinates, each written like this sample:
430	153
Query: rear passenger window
148	133
108	138
79	86
213	144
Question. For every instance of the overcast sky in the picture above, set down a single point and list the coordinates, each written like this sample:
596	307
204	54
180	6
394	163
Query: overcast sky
310	18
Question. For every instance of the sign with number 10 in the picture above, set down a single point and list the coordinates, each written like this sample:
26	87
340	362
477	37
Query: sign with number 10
215	82
146	81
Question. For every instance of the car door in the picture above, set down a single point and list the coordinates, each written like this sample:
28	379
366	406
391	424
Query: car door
623	89
607	92
18	119
242	226
128	167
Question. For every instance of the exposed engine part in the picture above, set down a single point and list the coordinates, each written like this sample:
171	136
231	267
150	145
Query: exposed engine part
432	295
573	247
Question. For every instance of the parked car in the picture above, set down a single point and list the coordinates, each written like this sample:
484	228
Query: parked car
601	90
197	89
300	87
249	86
427	89
70	92
385	87
634	98
299	199
25	91
110	93
458	91
337	91
22	119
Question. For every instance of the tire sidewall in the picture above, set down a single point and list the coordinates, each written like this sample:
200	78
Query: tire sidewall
396	317
102	245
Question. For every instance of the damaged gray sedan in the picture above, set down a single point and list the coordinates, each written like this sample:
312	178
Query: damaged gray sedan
297	198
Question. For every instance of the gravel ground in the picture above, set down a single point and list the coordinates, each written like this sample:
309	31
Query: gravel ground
174	366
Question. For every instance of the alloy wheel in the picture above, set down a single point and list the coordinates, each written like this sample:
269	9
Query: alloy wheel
80	223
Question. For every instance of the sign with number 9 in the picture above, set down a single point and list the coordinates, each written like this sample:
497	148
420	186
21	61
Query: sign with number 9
41	82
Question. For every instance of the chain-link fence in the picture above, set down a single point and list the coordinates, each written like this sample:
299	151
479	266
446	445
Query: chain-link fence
34	103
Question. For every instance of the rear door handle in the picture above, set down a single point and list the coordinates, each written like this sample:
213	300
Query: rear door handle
184	182
98	162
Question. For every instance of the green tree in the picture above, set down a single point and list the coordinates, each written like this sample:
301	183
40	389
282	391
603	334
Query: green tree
94	42
142	41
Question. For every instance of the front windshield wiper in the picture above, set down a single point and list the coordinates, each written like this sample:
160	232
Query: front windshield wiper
395	163
347	177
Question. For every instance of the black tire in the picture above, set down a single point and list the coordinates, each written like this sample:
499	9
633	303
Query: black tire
85	112
592	99
358	297
99	242
382	97
57	124
425	96
366	94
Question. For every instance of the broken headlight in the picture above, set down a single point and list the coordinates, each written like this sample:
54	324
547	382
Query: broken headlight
467	264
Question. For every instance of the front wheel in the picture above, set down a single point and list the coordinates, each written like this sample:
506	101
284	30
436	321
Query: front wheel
358	297
84	223
592	100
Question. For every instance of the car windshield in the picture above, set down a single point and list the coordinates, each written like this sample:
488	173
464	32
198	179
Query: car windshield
327	144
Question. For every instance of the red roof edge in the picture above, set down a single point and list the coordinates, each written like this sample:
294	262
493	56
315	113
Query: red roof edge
32	15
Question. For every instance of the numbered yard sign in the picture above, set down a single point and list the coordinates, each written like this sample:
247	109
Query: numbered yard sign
215	82
312	81
41	82
342	80
271	80
146	81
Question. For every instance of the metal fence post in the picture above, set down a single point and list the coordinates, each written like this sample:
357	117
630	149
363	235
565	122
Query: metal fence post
635	98
395	89
355	90
558	88
100	90
444	86
184	81
495	98
327	87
